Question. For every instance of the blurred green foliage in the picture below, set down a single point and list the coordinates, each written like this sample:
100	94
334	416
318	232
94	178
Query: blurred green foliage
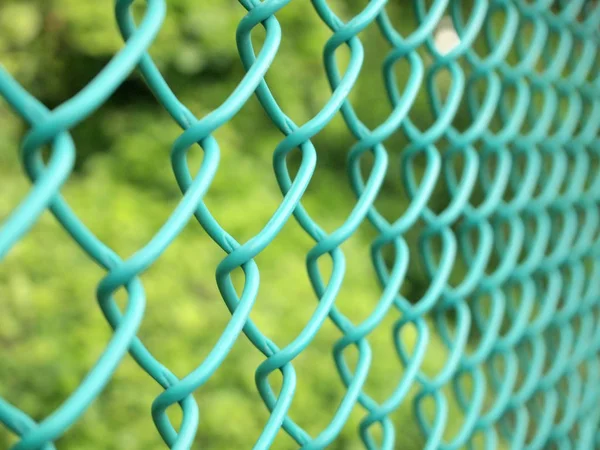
51	330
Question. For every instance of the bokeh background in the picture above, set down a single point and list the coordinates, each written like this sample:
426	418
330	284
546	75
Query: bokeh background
51	329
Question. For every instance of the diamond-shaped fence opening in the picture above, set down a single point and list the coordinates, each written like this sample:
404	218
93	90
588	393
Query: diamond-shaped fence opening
377	226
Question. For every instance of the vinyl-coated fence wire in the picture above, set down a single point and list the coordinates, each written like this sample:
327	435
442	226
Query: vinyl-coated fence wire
523	218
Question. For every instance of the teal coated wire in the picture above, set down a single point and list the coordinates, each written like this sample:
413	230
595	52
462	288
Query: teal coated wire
530	244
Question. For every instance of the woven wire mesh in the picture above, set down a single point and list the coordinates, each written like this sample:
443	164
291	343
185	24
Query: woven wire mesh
521	322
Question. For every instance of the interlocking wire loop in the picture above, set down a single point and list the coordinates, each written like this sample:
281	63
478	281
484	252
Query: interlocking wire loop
521	328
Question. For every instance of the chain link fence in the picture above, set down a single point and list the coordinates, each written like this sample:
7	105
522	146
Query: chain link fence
511	258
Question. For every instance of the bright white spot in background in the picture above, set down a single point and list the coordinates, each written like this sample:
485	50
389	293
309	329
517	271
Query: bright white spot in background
446	38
